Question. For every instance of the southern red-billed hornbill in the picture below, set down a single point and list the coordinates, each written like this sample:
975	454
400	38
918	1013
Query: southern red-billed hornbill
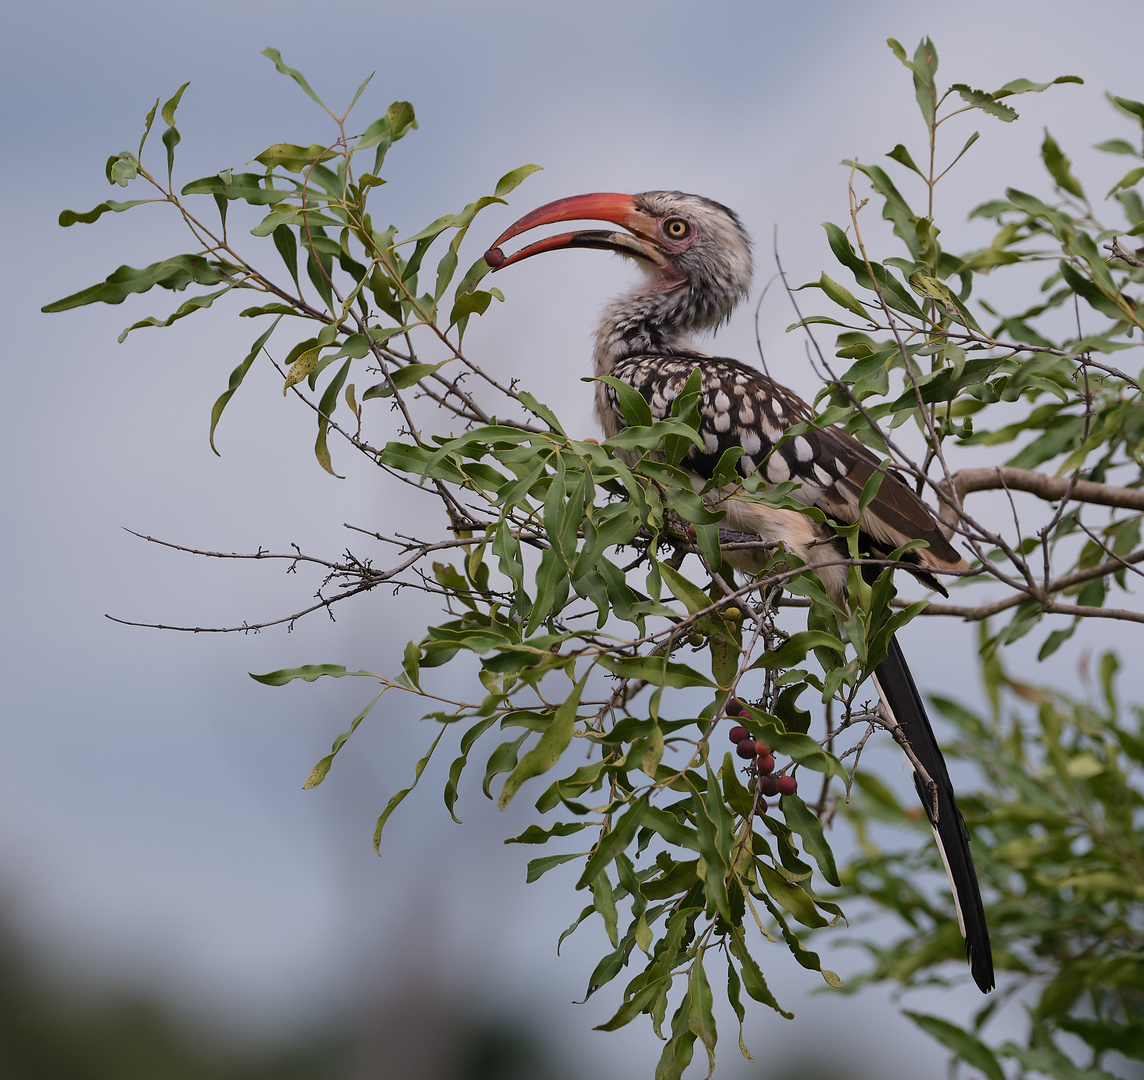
697	259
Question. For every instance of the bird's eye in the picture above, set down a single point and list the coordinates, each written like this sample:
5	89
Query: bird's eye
676	228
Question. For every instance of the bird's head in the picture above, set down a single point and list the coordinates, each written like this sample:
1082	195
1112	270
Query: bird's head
695	250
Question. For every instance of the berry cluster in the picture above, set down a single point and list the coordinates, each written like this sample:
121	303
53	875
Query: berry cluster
750	748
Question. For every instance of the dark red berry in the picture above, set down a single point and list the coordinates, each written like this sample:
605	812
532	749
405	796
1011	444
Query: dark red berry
737	734
746	749
787	785
736	708
768	785
494	257
766	764
762	749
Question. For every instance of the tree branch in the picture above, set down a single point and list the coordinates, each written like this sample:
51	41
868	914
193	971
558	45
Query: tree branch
1045	487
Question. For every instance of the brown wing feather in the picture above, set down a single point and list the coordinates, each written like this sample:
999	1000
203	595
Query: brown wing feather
741	407
896	514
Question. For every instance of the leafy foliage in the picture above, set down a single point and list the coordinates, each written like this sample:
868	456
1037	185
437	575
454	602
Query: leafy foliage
1060	838
585	581
1038	379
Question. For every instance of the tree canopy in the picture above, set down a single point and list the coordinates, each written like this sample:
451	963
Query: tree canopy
584	582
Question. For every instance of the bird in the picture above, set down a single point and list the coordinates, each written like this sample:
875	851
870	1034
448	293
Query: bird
697	264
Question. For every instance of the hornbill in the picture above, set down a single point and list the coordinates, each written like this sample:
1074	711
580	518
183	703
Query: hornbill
697	262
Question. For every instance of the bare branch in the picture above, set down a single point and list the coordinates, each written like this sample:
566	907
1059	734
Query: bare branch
1047	487
1117	252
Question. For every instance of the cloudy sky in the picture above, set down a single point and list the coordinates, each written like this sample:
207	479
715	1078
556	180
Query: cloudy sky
153	829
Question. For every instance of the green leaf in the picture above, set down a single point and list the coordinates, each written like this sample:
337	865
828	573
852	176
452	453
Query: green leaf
122	168
791	896
171	137
1024	86
714	830
843	297
396	800
614	842
702	1018
172	104
398	120
236	378
552	744
318	772
71	217
150	119
1059	167
694	598
735	999
307	673
300	362
403	378
656	670
175	273
604	901
188	307
963	1043
536	834
633	405
292	157
513	179
902	156
538	867
961	153
458	765
924	67
671	828
276	56
1127	1039
466	304
680	1046
793	651
325	409
987	103
1117	146
541	410
753	981
1129	179
807	825
306	219
243	187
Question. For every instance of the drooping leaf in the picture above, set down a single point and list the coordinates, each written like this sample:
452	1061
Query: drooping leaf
175	273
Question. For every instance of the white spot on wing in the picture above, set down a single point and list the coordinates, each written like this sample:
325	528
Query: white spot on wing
802	449
778	471
722	421
751	442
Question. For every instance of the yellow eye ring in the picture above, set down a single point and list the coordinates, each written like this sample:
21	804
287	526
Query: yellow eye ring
676	228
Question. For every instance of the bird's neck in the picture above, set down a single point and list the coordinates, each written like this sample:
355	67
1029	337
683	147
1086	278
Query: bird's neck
644	322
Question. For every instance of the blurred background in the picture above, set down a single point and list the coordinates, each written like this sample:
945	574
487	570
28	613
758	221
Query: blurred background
172	903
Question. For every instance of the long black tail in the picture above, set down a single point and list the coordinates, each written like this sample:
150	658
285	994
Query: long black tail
899	694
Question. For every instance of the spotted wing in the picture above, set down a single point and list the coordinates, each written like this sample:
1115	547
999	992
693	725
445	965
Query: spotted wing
742	407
